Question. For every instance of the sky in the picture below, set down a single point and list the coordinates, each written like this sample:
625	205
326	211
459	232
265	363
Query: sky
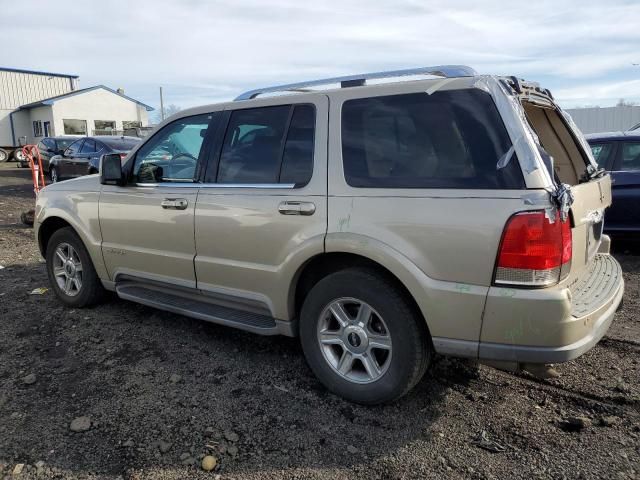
203	51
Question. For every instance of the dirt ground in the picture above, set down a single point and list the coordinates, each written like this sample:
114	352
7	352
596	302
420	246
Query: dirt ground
162	390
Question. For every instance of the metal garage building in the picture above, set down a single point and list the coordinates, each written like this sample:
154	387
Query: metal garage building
606	119
37	104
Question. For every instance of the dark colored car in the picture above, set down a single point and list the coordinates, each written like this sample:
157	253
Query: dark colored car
619	153
50	147
83	156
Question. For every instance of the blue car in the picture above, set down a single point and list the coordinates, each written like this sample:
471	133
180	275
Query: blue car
619	154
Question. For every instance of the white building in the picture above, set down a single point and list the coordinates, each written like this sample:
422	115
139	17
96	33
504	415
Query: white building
35	104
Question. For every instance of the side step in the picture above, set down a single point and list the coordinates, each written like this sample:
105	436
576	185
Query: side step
196	306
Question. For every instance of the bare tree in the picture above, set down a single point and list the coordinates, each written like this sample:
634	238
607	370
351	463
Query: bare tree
168	111
625	103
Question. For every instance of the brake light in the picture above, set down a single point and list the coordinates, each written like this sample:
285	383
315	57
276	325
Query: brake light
534	250
122	156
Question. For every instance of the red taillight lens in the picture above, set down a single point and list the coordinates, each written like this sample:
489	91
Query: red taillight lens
534	250
122	156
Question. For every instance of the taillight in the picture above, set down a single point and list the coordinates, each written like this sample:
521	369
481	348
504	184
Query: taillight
122	156
534	251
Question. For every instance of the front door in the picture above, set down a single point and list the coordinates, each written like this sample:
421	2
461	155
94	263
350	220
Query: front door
262	209
147	225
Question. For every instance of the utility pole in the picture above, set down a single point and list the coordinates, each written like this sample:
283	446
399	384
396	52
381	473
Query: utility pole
161	105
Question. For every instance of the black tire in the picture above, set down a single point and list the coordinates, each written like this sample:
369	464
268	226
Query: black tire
411	346
91	290
54	176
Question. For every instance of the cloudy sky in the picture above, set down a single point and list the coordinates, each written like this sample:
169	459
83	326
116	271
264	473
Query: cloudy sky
204	51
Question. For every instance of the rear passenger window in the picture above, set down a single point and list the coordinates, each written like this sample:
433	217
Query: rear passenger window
630	156
601	152
268	145
449	139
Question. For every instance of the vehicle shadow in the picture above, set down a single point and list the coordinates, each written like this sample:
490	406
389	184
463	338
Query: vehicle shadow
149	379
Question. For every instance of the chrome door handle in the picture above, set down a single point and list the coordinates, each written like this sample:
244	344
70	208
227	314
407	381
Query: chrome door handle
297	208
175	203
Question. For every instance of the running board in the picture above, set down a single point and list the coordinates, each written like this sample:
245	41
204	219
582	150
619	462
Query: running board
195	305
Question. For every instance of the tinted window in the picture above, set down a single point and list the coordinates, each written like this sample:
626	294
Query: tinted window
630	156
120	143
268	145
171	154
252	145
601	152
89	146
297	161
75	147
449	139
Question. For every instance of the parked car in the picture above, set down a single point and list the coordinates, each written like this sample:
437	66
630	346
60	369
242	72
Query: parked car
50	147
619	154
379	223
83	156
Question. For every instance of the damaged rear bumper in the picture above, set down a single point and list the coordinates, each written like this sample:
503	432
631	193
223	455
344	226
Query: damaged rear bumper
552	327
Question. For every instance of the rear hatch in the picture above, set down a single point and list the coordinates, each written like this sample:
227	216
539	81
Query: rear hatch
569	161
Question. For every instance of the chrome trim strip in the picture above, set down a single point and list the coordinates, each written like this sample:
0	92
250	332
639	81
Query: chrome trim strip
265	186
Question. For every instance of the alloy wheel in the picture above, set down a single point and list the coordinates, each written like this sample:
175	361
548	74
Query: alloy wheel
67	269
354	340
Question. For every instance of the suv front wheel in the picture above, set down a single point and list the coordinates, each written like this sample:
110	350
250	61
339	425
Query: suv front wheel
362	338
70	270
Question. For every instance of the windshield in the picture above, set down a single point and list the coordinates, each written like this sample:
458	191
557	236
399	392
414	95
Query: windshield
120	143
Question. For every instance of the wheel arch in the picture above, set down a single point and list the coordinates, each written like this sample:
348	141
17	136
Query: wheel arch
324	264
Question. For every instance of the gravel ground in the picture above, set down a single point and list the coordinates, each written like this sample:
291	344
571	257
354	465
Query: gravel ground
160	391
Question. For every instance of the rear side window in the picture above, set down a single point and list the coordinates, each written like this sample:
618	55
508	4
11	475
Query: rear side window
89	146
449	139
630	156
268	145
601	153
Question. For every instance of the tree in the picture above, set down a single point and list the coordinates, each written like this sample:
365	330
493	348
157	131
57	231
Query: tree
168	111
625	103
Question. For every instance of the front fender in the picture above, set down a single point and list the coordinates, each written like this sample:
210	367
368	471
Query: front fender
78	209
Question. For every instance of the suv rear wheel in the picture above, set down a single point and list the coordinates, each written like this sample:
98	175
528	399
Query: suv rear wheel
70	270
362	338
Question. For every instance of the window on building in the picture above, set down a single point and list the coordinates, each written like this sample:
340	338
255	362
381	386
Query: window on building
268	145
449	139
131	124
104	125
74	127
37	128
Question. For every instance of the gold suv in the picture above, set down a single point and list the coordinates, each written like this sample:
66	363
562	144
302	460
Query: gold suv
380	217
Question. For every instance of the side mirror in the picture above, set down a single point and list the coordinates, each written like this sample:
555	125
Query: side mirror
66	153
111	170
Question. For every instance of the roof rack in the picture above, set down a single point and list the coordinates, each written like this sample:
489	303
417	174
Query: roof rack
447	71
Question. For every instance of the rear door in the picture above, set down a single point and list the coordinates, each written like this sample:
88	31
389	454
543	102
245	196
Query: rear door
66	162
262	209
624	213
81	161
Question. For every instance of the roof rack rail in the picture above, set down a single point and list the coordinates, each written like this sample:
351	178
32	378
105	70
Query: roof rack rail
448	71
